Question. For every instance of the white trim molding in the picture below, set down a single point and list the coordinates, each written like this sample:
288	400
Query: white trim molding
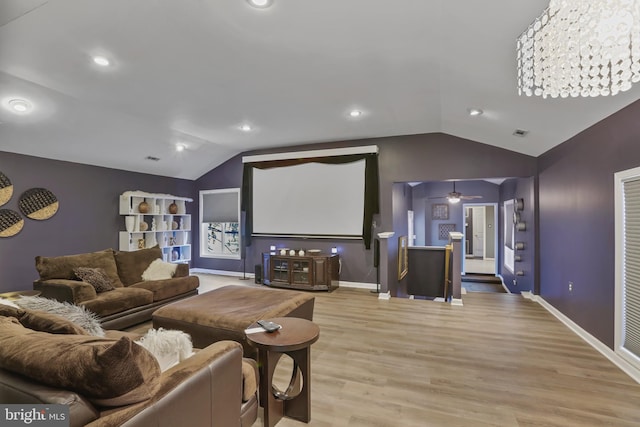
365	149
616	359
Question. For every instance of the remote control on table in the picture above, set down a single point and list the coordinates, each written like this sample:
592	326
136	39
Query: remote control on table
268	326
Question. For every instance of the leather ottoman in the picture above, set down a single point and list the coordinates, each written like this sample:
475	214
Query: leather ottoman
224	313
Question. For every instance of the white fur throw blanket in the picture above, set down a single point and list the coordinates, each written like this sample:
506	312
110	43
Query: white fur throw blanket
87	320
168	346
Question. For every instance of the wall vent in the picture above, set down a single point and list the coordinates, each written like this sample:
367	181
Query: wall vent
520	132
155	159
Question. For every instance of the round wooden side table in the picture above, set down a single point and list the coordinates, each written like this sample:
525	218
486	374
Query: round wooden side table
293	339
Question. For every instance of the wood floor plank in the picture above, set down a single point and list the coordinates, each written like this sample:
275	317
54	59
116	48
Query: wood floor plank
499	360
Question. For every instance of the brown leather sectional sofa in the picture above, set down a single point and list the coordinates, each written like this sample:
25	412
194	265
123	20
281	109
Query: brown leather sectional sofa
131	302
216	387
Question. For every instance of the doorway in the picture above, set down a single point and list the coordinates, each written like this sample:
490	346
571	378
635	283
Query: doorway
480	238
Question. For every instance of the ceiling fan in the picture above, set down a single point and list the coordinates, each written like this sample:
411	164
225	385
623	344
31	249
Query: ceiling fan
455	197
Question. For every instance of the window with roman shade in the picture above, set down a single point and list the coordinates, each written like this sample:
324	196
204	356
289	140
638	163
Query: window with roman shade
627	304
220	235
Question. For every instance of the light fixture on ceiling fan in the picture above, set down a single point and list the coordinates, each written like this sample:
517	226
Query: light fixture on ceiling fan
455	196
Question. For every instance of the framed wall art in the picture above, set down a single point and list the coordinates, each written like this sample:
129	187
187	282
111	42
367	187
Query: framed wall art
440	211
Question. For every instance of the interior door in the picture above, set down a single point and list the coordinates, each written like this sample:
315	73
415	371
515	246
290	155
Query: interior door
478	232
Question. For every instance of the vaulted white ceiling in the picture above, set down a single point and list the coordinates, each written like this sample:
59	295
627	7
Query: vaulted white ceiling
195	70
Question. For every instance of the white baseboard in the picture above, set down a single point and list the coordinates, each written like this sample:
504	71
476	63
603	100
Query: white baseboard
385	296
358	285
342	283
456	301
587	337
221	272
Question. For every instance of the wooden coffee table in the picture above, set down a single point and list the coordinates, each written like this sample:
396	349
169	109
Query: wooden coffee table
294	339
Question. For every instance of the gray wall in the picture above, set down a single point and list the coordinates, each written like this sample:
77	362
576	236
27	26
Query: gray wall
87	219
576	208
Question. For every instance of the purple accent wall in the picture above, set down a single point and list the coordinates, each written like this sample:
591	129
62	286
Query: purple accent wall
521	188
576	214
437	157
402	202
87	219
426	157
423	202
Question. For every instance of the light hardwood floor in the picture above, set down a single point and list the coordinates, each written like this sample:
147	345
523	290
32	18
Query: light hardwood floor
499	360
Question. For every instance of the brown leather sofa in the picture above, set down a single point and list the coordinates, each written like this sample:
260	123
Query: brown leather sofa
131	302
214	387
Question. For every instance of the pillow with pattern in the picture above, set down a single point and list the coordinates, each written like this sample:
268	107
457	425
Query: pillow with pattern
96	277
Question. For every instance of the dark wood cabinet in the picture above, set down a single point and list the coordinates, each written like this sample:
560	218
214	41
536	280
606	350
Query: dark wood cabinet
316	272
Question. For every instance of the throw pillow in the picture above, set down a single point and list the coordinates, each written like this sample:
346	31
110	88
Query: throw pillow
107	372
168	346
79	315
132	264
41	321
96	277
159	270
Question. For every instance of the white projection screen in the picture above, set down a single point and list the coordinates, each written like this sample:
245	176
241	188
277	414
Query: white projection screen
311	199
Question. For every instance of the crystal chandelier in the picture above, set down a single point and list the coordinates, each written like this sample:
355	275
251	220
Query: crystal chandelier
581	48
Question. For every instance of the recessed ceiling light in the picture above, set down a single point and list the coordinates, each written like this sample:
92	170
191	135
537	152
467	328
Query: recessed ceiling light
20	106
180	147
355	113
101	61
475	111
245	128
260	3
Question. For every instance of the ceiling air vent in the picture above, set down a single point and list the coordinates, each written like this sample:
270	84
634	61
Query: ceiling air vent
155	159
521	133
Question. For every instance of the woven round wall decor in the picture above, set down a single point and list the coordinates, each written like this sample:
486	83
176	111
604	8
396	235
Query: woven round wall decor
6	189
38	203
10	223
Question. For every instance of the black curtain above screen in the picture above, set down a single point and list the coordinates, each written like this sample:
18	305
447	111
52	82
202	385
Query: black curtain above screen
371	188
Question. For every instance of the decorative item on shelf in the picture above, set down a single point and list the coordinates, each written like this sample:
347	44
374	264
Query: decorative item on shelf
519	246
156	209
151	240
292	252
181	207
181	224
140	243
130	223
143	207
153	224
314	251
518	205
174	225
521	226
144	226
283	251
38	203
516	217
6	189
10	223
175	255
301	252
517	258
173	208
172	241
